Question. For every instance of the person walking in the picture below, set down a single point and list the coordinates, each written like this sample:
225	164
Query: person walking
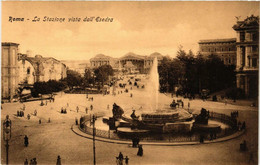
120	157
28	116
34	161
140	150
26	162
26	141
126	160
58	160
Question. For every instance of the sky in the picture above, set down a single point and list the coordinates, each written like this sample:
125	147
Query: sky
139	27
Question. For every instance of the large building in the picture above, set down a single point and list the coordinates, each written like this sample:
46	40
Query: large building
19	70
9	73
38	68
130	62
225	49
247	55
101	59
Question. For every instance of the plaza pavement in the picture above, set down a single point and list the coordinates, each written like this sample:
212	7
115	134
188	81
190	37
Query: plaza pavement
48	140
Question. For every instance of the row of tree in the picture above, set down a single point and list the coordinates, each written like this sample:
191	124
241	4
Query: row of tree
193	73
92	78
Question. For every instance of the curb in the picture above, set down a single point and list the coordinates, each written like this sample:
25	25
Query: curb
82	134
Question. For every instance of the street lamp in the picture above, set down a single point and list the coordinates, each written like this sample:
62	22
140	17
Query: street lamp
7	134
93	119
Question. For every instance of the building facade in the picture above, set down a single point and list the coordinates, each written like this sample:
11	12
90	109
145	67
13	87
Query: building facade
129	63
247	55
26	71
101	59
225	49
9	73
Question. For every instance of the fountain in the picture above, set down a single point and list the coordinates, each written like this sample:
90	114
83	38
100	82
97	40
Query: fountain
155	119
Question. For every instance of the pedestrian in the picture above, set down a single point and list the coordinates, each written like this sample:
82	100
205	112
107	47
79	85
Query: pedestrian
86	110
18	113
28	116
31	162
91	107
58	160
77	109
126	160
120	157
49	120
35	112
76	121
140	150
40	121
46	102
107	106
26	162
26	141
34	161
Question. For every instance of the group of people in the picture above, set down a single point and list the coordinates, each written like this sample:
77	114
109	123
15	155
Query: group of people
20	113
63	110
32	162
120	159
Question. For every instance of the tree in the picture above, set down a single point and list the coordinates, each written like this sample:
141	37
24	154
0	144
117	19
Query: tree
73	79
102	73
88	78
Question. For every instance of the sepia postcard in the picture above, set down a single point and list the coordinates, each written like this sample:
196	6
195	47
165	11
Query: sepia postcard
135	82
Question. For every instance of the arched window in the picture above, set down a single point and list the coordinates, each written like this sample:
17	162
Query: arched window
28	70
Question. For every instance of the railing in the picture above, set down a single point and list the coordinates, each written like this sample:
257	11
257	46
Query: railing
170	137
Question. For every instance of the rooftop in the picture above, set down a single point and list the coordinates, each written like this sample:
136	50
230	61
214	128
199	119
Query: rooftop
218	40
9	44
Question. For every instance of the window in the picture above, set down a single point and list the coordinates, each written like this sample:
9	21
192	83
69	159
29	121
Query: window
254	62
242	36
215	49
254	37
28	70
229	49
255	48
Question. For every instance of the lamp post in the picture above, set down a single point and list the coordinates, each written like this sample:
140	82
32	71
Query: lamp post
93	119
7	134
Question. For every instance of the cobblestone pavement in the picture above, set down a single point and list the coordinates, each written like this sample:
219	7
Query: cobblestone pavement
48	140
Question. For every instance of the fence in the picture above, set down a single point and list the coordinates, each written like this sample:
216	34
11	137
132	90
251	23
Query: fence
110	134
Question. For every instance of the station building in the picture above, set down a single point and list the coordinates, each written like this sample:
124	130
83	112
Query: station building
129	63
